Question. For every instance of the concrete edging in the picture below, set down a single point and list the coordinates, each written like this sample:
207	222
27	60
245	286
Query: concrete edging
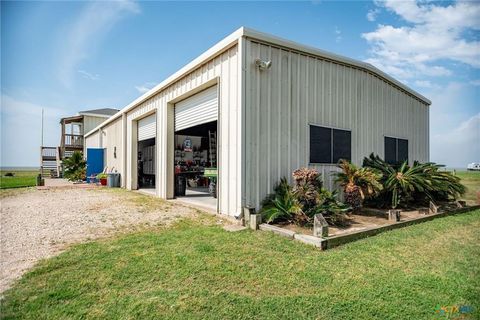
334	241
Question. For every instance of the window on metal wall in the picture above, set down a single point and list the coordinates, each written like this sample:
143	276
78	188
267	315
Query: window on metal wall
396	150
329	145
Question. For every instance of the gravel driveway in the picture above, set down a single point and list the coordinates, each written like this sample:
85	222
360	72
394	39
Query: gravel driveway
37	224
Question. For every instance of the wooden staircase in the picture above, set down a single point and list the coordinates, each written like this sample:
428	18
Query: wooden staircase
50	162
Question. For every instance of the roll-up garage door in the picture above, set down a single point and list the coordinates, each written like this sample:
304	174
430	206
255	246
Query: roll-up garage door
198	109
147	127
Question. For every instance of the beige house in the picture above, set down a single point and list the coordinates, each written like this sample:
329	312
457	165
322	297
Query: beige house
253	108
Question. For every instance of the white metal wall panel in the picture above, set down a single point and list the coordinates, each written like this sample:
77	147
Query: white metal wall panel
226	69
197	109
147	127
300	89
112	143
91	122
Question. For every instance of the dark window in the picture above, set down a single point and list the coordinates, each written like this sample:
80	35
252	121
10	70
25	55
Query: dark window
329	145
320	144
402	150
396	150
390	150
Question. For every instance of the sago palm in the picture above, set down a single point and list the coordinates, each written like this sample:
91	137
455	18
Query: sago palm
358	183
282	206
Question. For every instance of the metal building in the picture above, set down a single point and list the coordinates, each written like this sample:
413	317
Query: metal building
269	106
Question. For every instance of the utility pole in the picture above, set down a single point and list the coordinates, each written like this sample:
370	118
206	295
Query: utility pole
42	129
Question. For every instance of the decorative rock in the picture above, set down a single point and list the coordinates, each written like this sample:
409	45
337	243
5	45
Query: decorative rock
280	231
320	226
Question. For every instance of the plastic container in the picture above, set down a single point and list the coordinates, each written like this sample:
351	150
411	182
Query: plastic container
180	186
113	180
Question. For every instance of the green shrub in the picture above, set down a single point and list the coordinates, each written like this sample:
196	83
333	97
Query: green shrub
101	176
300	203
75	167
282	206
357	183
333	210
418	184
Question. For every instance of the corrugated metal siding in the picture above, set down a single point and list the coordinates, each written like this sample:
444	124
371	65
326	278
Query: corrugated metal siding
198	109
300	89
147	127
225	69
90	122
111	140
92	141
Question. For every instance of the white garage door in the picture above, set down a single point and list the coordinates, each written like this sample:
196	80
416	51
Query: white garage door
198	109
147	127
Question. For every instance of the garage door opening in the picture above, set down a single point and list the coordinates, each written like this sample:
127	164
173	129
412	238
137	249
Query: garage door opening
146	155
195	144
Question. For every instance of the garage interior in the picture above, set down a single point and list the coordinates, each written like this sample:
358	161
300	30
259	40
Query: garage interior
146	168
195	142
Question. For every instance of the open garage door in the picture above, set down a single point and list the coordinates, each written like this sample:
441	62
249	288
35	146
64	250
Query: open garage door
198	109
147	127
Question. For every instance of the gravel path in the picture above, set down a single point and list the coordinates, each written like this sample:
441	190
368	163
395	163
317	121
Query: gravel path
38	224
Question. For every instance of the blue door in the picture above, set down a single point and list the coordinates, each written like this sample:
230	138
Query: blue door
94	162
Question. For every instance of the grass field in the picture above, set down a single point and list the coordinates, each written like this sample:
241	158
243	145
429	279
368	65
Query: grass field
20	179
471	179
196	270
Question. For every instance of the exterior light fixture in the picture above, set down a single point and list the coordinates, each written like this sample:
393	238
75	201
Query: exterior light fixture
262	64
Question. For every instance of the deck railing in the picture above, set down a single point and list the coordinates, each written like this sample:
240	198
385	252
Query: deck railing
73	140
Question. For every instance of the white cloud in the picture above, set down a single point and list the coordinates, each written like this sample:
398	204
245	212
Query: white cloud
145	87
475	82
21	131
425	84
85	32
459	146
433	33
338	35
372	14
89	75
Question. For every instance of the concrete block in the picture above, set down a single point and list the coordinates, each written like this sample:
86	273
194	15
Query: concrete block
320	226
433	209
280	231
255	220
311	240
394	215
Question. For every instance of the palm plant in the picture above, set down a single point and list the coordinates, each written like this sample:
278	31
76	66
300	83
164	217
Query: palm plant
282	206
307	185
334	211
357	183
420	182
75	167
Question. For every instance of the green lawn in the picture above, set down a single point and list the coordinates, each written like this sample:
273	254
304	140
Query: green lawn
195	269
20	179
471	179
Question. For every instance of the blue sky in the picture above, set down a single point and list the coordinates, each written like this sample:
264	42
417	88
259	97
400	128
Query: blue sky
72	56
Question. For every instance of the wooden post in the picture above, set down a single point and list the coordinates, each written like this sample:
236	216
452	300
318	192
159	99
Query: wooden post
394	215
320	226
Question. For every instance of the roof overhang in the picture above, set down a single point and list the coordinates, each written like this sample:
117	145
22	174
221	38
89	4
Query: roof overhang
232	39
71	119
94	114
